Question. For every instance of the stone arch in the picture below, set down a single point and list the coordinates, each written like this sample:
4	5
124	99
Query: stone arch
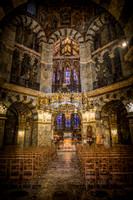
115	113
103	52
97	24
117	96
19	123
29	101
64	32
113	7
32	25
94	27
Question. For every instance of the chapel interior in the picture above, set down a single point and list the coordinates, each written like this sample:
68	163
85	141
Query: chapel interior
66	99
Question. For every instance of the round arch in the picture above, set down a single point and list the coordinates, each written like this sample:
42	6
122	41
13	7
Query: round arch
115	114
97	24
73	34
113	7
18	127
32	25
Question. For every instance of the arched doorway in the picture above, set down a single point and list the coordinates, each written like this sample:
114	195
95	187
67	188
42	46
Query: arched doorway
115	114
18	126
11	127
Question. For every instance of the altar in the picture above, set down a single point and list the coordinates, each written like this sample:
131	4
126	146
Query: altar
67	139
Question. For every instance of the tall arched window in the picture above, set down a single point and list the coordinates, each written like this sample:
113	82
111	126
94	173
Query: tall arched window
66	66
67	120
76	120
59	120
71	120
67	76
31	7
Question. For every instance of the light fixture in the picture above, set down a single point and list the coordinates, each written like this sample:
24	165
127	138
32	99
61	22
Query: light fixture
124	44
2	107
114	132
21	133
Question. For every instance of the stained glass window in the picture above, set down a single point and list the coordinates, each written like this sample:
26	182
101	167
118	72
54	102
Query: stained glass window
59	120
76	120
68	120
58	76
31	7
53	77
67	76
75	76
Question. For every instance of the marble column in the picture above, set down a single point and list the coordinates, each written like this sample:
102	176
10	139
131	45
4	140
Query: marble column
42	129
46	68
86	67
44	134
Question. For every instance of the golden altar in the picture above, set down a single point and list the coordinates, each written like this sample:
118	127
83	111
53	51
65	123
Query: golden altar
67	139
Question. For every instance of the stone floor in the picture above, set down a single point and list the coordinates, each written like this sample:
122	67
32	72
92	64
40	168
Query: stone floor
62	180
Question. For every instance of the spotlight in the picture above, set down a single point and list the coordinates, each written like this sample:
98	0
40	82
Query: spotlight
21	133
124	44
114	132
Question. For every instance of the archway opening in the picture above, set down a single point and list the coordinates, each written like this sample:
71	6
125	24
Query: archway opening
11	128
18	126
115	114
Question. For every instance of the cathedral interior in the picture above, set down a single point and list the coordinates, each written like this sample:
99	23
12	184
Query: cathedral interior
66	99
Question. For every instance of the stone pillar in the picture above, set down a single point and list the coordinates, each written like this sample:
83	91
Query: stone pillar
44	134
21	56
86	67
46	68
27	136
34	134
42	129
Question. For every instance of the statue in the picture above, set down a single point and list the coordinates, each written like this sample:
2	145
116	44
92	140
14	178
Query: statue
89	131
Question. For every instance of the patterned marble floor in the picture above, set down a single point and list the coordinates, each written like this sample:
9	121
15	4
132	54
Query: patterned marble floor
62	178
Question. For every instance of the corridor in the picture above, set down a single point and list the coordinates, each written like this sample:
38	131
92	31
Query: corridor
62	179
